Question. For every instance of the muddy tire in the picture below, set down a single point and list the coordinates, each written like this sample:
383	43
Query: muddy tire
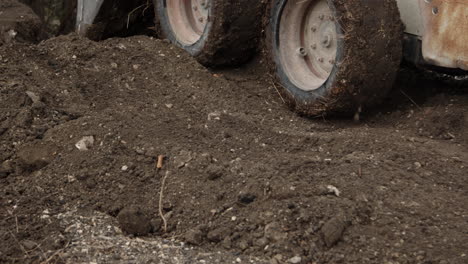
215	32
333	56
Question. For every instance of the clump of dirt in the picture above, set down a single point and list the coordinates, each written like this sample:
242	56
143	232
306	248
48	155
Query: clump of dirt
82	124
134	221
18	22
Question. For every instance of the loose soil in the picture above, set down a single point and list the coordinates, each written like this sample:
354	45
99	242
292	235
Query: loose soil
243	175
18	22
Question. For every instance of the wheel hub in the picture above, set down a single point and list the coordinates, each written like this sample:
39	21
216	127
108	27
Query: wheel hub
308	25
188	19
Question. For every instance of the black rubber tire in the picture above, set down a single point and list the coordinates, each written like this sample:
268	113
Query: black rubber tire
120	18
368	59
231	36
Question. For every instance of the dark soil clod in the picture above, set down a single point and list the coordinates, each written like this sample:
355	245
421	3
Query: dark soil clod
214	172
332	231
134	221
194	236
247	198
36	155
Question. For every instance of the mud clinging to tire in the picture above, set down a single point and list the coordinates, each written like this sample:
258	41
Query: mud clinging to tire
333	56
215	32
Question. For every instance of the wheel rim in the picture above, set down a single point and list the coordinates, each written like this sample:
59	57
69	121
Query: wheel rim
188	19
308	42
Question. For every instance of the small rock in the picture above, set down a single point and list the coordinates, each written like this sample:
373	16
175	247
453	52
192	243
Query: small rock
214	172
169	106
243	244
36	156
247	198
156	224
29	245
134	221
218	234
332	231
194	237
34	97
6	168
124	168
333	190
183	158
45	214
24	117
295	260
139	151
71	178
12	33
417	165
214	116
114	65
261	242
227	243
85	143
3	129
274	232
277	259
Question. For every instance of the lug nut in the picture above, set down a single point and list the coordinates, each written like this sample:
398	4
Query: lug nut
313	29
302	52
331	61
313	46
326	41
200	19
320	59
321	17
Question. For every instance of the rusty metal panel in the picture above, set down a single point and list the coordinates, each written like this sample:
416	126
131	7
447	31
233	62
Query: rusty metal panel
445	41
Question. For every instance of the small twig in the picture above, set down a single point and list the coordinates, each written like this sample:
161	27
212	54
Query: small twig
409	98
357	115
146	8
16	222
55	254
161	196
159	164
131	12
276	88
360	171
19	244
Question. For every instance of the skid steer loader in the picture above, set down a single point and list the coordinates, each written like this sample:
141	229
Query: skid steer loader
327	56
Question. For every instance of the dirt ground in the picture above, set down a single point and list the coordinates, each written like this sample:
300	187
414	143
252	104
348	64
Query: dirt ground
82	124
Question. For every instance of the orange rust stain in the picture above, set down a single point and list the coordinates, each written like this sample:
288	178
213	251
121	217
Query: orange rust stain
445	40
